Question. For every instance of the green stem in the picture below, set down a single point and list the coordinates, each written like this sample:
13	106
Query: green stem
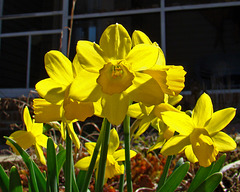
103	158
126	129
68	164
165	172
121	183
94	158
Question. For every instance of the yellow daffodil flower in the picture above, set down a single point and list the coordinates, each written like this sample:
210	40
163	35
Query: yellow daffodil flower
32	136
147	116
170	78
56	105
114	157
113	73
200	135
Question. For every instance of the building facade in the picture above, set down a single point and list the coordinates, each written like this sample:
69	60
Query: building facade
203	36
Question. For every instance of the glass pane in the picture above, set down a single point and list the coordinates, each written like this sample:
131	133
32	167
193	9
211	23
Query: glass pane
26	6
206	42
31	24
40	46
92	29
13	66
194	2
93	6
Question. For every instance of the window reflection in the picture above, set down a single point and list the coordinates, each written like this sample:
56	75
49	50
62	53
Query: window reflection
93	6
207	43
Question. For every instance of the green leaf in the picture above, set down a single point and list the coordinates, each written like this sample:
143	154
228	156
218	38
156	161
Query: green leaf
178	164
15	181
163	177
175	178
4	180
201	175
61	157
74	183
46	127
80	179
41	180
218	164
33	180
210	184
52	166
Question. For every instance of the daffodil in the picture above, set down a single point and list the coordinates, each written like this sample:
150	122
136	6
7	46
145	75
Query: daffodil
147	116
113	73
114	157
56	105
170	78
32	136
200	135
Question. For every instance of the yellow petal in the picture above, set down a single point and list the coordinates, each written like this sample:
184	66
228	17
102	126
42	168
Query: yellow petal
190	155
203	111
112	167
159	143
168	133
163	107
40	155
58	67
73	135
224	142
138	37
143	126
180	122
142	57
90	147
83	163
220	119
135	111
98	108
50	90
146	90
76	66
91	63
115	107
161	58
119	155
46	112
63	129
27	119
171	78
175	145
77	110
42	140
37	129
115	78
23	138
113	141
115	42
203	147
173	100
85	87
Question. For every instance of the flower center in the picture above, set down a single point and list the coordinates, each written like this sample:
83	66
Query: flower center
203	146
117	71
115	77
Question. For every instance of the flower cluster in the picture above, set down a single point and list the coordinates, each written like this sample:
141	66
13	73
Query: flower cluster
121	76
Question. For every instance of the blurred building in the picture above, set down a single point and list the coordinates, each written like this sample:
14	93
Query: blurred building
201	35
